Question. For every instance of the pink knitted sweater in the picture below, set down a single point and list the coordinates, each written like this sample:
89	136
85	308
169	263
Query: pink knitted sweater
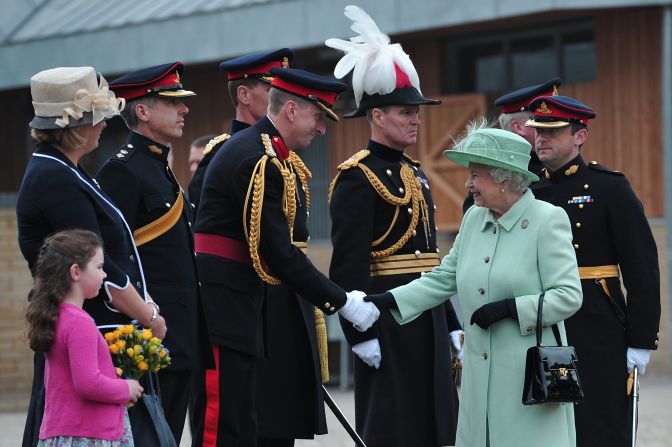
84	397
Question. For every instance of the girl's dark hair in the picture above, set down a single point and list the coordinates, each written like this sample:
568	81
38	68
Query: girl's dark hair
52	281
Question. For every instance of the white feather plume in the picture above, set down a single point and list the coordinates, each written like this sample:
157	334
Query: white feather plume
370	57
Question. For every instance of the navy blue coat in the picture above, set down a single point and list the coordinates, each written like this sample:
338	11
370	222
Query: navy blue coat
55	195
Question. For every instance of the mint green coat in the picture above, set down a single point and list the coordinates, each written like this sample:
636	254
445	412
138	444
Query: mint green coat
527	252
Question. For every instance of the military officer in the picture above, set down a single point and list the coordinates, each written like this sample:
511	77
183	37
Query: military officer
513	116
245	229
249	81
612	237
137	178
384	235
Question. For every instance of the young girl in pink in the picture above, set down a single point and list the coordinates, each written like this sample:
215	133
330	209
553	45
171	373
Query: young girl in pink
85	400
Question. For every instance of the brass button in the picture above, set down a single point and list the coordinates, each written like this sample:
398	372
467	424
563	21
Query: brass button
434	207
577	225
580	206
132	258
576	246
486	259
327	305
388	172
332	309
167	205
437	249
417	253
415	233
481	291
586	186
410	211
401	190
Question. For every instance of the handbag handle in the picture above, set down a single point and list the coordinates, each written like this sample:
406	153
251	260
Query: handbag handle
556	331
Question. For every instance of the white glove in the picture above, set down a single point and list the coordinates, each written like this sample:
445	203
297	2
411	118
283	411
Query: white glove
361	314
369	352
456	340
638	357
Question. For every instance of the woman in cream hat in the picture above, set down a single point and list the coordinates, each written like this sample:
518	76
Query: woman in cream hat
71	105
510	249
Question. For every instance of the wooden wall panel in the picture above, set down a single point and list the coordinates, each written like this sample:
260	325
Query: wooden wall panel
627	136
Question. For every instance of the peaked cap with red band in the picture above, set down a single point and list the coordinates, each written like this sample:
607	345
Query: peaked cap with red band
322	91
161	80
518	100
382	73
257	65
558	111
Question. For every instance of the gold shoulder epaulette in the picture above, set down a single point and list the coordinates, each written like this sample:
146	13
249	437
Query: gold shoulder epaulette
354	160
214	142
412	161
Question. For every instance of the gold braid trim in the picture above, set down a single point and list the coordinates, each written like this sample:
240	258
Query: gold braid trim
303	172
288	194
256	189
322	344
254	236
214	142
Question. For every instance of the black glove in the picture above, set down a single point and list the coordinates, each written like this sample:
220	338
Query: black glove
491	313
382	301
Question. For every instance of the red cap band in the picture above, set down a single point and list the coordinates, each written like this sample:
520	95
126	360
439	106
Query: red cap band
521	106
300	90
255	71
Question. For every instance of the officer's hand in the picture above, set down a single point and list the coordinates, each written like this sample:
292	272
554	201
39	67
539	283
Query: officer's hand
490	313
456	338
638	357
383	301
369	352
362	315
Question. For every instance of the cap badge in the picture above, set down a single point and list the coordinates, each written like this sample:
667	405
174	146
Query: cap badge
285	62
555	90
543	108
571	170
177	77
155	150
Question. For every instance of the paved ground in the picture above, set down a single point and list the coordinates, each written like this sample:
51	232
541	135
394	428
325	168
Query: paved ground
655	428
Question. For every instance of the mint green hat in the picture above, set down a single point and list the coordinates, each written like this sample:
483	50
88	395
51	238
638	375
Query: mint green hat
493	147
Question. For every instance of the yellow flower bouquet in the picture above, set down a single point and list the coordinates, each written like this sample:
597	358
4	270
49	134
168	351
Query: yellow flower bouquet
136	352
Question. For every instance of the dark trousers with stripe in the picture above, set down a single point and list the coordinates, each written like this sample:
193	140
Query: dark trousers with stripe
230	418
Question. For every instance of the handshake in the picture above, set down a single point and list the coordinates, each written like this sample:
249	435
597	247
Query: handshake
360	313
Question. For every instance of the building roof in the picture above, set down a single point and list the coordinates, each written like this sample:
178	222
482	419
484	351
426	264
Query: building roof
121	35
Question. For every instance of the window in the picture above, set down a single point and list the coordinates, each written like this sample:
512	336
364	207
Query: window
505	61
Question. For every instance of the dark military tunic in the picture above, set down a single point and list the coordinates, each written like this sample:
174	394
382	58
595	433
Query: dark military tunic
138	180
55	195
290	404
196	183
609	228
236	317
411	399
234	293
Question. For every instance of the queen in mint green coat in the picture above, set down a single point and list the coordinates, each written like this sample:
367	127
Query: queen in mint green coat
518	255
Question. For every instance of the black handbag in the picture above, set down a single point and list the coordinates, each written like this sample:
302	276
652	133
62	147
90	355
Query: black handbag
551	375
148	423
